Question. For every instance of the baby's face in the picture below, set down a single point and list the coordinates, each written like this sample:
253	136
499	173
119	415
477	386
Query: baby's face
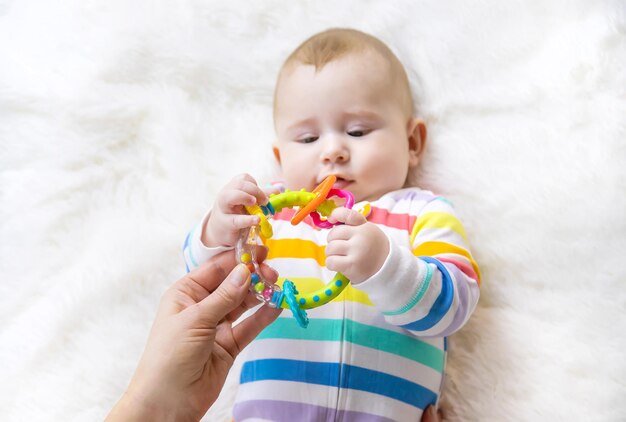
345	120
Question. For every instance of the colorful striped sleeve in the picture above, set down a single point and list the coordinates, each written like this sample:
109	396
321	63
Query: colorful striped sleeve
432	288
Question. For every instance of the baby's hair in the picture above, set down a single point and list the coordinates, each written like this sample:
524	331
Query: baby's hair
335	43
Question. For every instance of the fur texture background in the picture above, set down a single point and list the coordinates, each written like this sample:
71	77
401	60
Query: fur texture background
120	120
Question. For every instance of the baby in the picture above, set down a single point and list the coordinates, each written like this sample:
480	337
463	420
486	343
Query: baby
343	107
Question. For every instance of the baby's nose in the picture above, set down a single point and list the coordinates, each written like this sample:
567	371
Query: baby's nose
335	151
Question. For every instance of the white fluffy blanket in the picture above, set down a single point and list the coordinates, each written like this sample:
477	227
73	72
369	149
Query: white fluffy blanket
119	121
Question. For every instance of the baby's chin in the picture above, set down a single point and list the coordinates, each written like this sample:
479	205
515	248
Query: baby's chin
363	196
371	195
360	192
364	193
367	196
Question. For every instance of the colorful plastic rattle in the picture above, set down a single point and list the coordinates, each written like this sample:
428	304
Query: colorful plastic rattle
318	205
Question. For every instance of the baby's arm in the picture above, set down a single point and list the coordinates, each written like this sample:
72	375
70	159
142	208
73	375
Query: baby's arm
220	229
433	288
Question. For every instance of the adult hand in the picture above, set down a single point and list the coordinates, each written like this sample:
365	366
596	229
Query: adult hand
192	344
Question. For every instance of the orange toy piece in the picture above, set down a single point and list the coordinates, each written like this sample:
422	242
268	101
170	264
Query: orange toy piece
322	192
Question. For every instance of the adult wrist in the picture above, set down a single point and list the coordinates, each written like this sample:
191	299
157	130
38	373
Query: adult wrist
134	406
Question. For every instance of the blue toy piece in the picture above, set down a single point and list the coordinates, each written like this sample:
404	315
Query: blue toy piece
289	295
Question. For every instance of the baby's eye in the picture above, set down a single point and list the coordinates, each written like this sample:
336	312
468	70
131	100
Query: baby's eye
357	133
308	139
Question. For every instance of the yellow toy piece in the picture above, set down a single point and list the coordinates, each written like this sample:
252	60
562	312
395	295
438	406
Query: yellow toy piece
290	199
266	227
365	209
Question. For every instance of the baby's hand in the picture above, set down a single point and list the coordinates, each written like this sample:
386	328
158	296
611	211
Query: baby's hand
228	215
357	249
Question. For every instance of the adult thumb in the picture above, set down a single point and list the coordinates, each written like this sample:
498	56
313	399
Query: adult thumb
230	294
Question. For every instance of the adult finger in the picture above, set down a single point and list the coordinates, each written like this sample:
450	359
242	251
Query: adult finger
251	300
200	282
225	298
249	328
212	273
346	216
261	253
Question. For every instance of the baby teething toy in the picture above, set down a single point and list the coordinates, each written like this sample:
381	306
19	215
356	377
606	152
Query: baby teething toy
318	205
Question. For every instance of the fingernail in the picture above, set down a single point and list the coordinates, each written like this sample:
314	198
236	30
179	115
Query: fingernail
432	411
239	275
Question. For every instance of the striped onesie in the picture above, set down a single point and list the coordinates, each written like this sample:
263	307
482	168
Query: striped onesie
377	352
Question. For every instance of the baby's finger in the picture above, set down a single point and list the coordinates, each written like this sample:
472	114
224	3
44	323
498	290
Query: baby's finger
270	189
243	176
337	248
347	216
253	189
339	233
237	180
241	221
337	263
231	200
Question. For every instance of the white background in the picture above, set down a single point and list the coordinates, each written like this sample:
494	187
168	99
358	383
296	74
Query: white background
120	120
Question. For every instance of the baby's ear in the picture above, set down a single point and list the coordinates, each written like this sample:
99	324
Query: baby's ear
276	153
417	133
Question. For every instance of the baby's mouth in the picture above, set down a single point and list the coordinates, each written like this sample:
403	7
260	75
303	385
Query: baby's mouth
341	183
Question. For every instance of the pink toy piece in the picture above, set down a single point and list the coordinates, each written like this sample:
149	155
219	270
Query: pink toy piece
267	293
317	220
347	195
340	193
